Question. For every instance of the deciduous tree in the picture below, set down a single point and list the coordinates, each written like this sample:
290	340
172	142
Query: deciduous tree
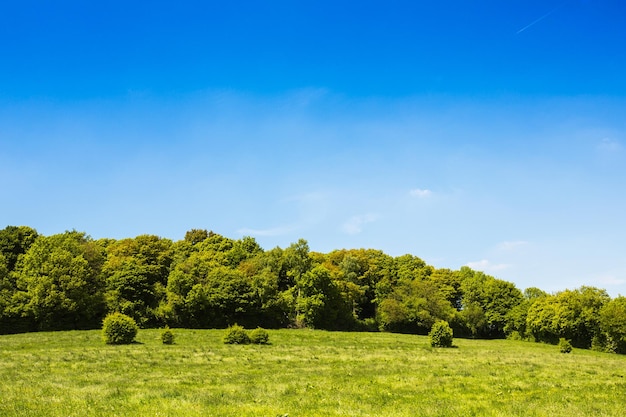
61	283
613	323
136	272
15	242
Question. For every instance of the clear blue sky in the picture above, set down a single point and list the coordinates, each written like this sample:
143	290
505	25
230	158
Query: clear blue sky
490	134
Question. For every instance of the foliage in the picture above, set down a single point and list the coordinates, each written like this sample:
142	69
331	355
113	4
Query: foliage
136	271
15	242
70	281
605	343
489	302
319	301
514	335
449	284
58	282
473	320
195	236
572	314
259	336
516	318
275	305
167	336
534	293
119	329
441	334
357	273
236	335
204	290
413	307
564	345
613	325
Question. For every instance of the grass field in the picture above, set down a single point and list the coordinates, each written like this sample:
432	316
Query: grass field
302	373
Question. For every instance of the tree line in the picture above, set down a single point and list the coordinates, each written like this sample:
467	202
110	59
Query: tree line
71	281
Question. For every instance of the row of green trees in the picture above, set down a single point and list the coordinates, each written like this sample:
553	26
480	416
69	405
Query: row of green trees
70	281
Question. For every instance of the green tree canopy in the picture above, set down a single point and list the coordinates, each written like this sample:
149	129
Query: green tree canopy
413	307
319	301
14	242
569	314
60	283
613	323
487	303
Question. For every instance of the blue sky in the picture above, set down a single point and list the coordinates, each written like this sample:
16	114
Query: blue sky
490	134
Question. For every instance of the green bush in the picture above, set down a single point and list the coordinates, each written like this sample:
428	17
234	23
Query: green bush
369	324
441	334
515	335
236	335
605	343
167	337
259	336
119	329
564	345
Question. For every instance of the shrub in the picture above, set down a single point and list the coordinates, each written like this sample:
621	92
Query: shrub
259	336
366	325
605	343
515	335
564	345
236	335
167	337
119	329
440	334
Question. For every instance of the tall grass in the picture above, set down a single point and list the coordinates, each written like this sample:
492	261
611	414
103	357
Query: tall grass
302	373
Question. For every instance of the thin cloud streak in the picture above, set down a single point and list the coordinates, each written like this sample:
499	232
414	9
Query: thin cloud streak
512	245
354	225
421	193
610	145
611	280
485	265
534	22
276	231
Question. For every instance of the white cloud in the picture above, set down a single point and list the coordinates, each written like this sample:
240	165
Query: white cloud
355	224
485	265
314	199
610	280
512	245
307	209
276	231
609	145
421	193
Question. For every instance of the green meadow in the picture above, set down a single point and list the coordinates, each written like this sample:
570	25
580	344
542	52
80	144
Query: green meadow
302	373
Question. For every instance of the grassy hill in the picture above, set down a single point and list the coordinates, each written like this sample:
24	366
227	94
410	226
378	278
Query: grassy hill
302	373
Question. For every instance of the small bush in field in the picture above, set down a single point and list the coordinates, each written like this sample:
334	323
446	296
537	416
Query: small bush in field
259	336
167	337
236	335
515	335
441	334
564	345
119	329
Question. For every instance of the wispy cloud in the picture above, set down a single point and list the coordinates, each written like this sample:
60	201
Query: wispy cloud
275	231
355	224
610	280
487	266
305	210
609	145
420	193
511	245
314	198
